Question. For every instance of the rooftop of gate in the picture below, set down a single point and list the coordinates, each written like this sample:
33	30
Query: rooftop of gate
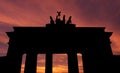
60	23
56	31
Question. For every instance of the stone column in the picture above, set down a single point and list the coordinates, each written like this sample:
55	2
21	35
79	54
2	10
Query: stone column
48	64
14	64
31	63
73	63
13	60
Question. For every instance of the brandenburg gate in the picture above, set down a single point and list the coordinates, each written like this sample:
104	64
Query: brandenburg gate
57	37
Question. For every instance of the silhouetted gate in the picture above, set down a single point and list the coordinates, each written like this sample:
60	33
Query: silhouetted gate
60	37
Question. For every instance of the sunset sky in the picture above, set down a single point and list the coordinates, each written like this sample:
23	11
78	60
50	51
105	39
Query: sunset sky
85	13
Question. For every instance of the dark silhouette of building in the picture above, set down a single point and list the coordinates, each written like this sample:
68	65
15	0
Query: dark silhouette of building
60	36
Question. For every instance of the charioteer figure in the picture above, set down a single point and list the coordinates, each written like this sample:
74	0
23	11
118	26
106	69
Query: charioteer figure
59	21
